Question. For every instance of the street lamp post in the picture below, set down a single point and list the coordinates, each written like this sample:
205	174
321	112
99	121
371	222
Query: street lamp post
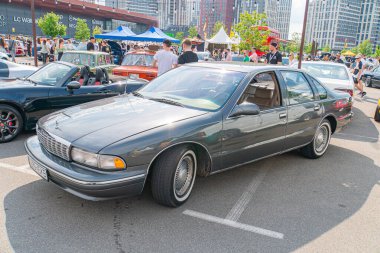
34	32
303	35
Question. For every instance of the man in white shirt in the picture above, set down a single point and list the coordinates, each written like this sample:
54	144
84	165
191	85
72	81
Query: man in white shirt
165	59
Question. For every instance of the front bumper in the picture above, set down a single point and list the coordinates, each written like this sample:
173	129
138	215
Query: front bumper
84	182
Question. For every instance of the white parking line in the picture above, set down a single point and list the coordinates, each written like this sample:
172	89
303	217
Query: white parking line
243	201
234	224
24	168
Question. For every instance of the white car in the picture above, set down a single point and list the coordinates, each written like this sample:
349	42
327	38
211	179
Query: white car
11	70
336	76
4	56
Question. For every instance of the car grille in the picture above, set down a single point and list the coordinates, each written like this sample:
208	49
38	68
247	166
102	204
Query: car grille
53	144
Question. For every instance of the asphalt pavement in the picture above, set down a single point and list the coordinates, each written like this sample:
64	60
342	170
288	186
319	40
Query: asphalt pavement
285	203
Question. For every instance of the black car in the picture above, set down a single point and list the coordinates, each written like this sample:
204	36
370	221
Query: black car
372	78
198	119
53	87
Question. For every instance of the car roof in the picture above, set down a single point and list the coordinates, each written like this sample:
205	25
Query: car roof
87	52
245	67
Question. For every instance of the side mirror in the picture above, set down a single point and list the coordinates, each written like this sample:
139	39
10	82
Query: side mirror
73	85
245	109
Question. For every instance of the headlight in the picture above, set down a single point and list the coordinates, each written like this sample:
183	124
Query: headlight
107	162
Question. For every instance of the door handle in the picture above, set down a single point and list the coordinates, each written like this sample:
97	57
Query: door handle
317	107
282	115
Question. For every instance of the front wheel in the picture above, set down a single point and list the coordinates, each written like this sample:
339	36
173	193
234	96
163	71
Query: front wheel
368	82
320	143
11	123
173	176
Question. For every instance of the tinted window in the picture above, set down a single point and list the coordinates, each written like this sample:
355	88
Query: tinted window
321	90
195	87
262	91
298	88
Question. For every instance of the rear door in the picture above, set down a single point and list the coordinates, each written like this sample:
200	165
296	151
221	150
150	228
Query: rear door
304	109
376	77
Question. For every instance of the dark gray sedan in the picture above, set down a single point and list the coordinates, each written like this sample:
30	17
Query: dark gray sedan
198	119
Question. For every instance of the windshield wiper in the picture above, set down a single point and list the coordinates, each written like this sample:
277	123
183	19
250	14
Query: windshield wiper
31	81
167	101
138	94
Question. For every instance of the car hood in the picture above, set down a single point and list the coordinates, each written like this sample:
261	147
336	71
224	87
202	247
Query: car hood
98	124
336	83
14	83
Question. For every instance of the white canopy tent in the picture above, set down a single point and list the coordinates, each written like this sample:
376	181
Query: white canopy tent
221	38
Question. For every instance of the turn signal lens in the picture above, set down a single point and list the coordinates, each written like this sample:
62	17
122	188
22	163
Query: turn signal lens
109	162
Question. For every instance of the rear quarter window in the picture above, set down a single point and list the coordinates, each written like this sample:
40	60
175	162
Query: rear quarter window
320	89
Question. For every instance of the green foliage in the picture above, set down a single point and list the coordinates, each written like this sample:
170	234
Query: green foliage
377	52
50	25
217	26
97	30
326	49
308	48
365	48
295	43
179	36
82	32
355	50
193	32
249	33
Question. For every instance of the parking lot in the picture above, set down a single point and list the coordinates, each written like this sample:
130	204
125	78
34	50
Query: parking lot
280	204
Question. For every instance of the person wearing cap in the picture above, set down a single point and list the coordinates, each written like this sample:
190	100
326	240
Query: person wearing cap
273	57
188	55
357	70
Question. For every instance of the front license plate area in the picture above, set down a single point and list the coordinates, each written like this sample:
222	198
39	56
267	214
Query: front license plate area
39	169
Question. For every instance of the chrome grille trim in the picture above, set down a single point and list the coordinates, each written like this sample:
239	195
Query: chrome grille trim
54	144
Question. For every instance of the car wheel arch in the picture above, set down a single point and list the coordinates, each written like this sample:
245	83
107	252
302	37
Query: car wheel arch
203	158
17	107
333	122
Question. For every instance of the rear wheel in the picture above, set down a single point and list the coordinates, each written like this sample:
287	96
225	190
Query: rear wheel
368	82
320	143
11	123
173	176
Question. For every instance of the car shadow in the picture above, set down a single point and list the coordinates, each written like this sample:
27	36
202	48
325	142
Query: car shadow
360	129
370	99
15	147
299	197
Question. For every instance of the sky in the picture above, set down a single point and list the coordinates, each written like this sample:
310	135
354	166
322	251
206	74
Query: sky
296	18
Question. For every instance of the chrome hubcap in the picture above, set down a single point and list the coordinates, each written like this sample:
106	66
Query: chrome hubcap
8	125
321	139
184	175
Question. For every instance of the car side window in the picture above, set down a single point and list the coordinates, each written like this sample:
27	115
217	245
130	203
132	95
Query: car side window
298	88
321	90
263	90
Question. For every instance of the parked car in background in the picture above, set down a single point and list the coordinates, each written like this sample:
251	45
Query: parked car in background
204	56
55	86
11	70
116	52
92	59
371	78
336	76
197	119
20	48
138	64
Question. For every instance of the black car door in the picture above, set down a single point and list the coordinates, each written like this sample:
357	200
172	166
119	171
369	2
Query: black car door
61	97
304	109
249	137
376	77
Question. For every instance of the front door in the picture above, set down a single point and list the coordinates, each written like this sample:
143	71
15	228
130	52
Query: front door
304	110
250	137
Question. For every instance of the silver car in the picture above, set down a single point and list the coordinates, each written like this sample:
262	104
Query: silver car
11	70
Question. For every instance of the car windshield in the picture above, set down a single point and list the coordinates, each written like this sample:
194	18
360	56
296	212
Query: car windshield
50	74
79	59
195	87
137	60
327	71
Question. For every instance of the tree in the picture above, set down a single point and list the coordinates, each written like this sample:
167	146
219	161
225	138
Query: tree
249	33
216	28
365	48
97	30
355	50
295	43
326	49
377	52
179	36
193	32
50	25
308	48
82	32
